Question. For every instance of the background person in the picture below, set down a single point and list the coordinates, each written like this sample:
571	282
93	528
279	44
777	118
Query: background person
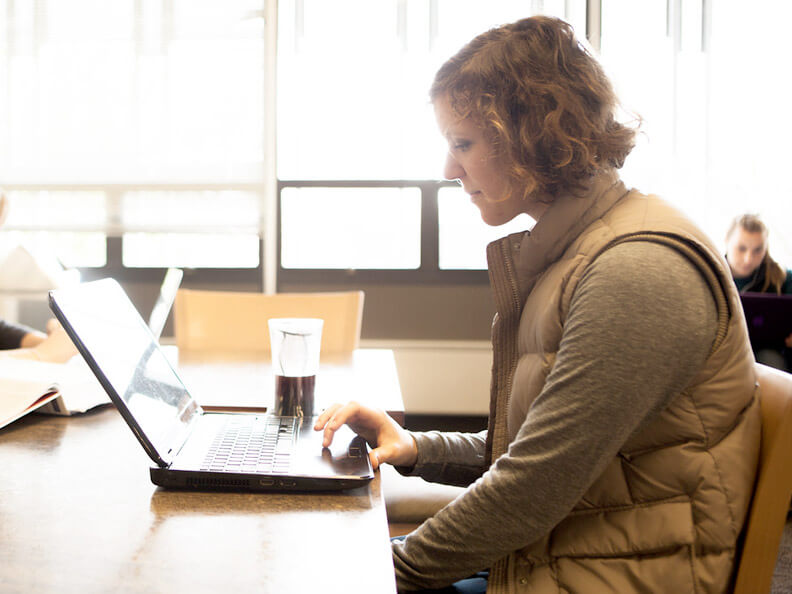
624	430
17	340
54	347
14	336
755	271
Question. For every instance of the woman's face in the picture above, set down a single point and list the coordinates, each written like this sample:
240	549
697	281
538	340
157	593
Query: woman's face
472	160
745	251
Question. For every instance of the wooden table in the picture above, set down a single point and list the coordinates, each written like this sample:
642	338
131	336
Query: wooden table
366	375
79	514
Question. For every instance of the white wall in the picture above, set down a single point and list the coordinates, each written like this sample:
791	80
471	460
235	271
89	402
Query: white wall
442	377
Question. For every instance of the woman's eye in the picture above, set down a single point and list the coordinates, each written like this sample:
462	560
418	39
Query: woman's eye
462	145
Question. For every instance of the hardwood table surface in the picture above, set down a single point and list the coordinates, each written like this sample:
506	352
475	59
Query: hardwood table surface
235	378
78	512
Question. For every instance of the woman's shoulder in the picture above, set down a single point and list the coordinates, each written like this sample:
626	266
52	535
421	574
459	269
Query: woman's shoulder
786	288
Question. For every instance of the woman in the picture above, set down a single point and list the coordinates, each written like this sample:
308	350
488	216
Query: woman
749	258
755	271
623	430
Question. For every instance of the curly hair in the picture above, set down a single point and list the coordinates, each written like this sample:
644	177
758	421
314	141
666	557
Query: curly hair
544	101
771	272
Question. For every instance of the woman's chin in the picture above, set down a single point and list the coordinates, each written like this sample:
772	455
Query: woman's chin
742	273
495	220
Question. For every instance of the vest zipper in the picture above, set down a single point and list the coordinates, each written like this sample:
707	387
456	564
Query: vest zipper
509	348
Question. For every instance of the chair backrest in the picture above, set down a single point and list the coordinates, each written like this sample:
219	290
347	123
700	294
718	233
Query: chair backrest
771	498
237	321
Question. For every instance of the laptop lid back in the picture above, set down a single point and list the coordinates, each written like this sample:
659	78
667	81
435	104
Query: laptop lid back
164	303
120	349
769	318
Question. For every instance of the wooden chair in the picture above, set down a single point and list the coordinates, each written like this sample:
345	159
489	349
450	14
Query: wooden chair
771	498
237	321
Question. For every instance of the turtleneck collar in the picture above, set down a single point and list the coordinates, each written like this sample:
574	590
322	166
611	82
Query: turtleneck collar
562	222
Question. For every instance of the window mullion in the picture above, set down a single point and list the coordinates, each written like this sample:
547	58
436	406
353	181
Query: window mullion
430	228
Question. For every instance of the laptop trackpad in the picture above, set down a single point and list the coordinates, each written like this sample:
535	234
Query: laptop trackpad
346	456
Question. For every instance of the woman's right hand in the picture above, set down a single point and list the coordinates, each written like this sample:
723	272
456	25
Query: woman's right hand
389	441
57	347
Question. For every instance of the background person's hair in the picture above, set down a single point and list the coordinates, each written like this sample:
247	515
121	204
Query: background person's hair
774	275
544	101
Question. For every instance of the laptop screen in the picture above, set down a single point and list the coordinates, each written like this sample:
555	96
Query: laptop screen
124	355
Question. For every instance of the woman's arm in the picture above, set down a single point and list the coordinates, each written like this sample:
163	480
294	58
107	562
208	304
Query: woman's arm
57	347
448	457
14	336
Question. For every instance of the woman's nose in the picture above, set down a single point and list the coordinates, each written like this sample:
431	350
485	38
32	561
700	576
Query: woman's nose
452	169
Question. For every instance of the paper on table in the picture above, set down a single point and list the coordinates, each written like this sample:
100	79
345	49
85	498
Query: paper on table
54	388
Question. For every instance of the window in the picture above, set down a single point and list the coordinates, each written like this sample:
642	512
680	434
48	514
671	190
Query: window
80	216
353	82
705	78
136	133
138	119
186	231
351	228
464	237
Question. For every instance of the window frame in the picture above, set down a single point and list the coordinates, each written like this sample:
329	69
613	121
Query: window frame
428	273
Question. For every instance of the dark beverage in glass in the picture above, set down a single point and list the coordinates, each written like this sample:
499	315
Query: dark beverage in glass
294	396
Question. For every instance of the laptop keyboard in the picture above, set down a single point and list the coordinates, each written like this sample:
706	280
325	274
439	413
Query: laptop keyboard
252	444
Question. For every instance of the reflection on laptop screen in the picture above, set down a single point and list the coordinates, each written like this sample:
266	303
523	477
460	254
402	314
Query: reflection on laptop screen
125	353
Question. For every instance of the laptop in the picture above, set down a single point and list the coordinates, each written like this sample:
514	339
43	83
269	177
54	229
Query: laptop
164	303
769	318
193	448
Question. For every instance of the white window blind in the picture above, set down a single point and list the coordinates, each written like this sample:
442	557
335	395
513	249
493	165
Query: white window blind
109	106
709	81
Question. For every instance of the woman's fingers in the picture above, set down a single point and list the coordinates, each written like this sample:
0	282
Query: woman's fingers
326	415
389	441
338	415
52	325
374	458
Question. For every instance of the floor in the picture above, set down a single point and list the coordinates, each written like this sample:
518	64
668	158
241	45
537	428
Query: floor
782	579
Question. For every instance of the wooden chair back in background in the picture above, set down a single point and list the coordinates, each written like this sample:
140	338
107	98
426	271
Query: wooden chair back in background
237	321
773	490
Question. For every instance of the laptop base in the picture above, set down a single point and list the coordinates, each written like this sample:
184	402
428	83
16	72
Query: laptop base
210	481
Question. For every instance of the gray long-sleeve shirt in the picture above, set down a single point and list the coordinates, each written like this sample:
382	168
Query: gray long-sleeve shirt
641	323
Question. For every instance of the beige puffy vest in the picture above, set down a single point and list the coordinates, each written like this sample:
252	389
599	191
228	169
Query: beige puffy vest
666	514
